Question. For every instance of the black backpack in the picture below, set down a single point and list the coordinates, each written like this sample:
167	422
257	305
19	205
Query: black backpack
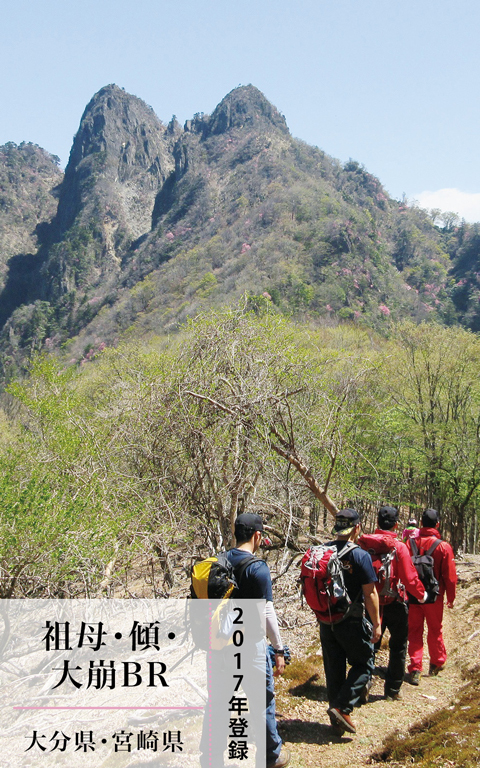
424	566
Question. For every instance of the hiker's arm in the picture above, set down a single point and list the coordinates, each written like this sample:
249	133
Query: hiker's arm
371	603
448	572
273	634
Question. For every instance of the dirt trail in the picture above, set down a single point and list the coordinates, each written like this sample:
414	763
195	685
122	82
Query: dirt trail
302	716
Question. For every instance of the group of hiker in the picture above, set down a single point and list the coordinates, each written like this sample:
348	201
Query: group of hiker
381	583
358	585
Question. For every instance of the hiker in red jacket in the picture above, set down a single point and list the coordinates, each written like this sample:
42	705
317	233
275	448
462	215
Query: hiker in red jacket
393	605
431	612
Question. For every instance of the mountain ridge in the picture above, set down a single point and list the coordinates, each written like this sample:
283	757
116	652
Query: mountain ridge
228	204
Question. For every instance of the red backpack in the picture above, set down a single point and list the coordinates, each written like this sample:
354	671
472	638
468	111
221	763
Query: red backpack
385	565
323	585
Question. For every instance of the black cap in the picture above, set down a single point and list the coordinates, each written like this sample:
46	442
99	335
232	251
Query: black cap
387	517
246	524
345	521
430	518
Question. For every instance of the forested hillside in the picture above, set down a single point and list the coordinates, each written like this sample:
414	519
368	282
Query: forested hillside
156	222
140	460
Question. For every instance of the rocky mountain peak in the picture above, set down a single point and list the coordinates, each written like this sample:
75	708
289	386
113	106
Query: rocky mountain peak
245	106
111	119
121	148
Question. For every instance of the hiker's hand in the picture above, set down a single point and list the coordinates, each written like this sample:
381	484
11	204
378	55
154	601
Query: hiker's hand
279	665
449	605
376	632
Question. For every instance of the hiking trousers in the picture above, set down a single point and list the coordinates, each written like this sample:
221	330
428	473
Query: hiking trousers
348	641
395	619
432	613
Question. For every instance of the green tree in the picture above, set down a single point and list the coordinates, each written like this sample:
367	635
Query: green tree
437	392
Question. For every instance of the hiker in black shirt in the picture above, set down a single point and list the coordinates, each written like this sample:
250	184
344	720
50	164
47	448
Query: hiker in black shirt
351	639
255	583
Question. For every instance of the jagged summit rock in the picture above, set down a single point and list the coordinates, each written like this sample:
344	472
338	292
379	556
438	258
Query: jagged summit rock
114	121
245	106
121	153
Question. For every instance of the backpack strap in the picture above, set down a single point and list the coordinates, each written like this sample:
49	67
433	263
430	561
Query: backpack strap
352	608
434	546
416	549
348	547
242	566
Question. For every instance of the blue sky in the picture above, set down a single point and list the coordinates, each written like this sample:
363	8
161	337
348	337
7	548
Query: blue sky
392	85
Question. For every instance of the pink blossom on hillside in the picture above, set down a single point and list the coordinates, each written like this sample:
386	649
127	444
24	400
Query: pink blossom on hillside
357	314
170	236
266	295
329	308
245	247
384	310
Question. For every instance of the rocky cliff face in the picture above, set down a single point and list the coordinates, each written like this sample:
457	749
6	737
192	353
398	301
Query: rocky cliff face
120	157
29	178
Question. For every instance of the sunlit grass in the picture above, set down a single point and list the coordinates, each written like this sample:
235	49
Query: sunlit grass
449	737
